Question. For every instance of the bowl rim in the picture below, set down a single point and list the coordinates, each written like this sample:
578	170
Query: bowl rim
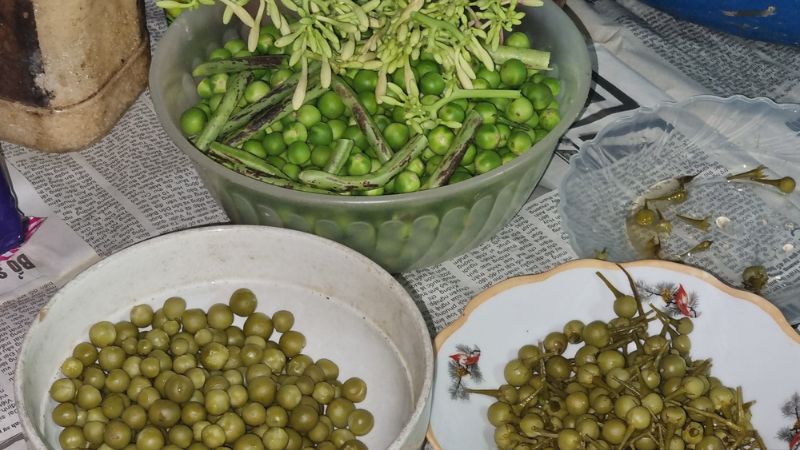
421	406
474	184
510	283
632	116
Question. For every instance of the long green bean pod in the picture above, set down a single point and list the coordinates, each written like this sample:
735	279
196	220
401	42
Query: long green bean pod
398	162
238	64
284	183
269	116
339	156
230	99
452	158
246	159
364	119
281	92
535	59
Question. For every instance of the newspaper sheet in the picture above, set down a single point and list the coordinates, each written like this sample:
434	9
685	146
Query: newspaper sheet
134	184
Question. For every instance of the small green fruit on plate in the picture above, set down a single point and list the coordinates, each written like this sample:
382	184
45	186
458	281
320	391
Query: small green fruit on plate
749	342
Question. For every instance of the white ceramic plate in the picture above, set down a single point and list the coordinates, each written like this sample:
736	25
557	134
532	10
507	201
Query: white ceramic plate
749	341
351	311
710	137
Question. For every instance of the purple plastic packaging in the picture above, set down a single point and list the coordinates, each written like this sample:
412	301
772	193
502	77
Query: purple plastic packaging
11	218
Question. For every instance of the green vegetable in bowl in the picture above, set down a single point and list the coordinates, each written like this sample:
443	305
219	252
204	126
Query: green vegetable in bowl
277	113
185	378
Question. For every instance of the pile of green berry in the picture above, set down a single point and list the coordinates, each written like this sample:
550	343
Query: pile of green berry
623	388
179	378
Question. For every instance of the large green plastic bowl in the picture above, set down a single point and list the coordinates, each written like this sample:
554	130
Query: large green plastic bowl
400	232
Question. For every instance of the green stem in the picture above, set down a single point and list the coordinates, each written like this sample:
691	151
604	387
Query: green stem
398	162
280	93
238	65
246	159
229	101
455	153
339	156
487	392
535	59
617	293
269	116
430	22
363	118
474	93
635	291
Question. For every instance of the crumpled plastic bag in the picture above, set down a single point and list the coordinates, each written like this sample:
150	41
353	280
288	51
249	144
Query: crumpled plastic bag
12	229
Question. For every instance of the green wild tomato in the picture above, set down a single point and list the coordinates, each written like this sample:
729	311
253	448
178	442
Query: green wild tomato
539	95
426	66
204	88
398	77
271	30
382	122
459	175
358	164
396	135
291	170
298	153
539	134
295	132
469	155
337	128
429	100
518	39
219	83
432	83
519	142
480	83
487	160
507	157
265	41
549	119
513	73
487	111
492	77
406	181
235	45
417	166
273	144
451	113
219	53
553	83
358	137
519	110
432	164
533	121
308	115
320	134
254	147
193	120
276	161
440	139
320	155
330	105
365	81
368	101
487	137
505	132
398	114
279	76
255	91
